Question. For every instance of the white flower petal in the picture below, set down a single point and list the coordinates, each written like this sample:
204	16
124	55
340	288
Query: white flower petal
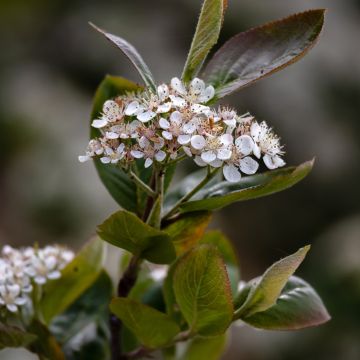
105	160
189	128
137	154
187	151
84	158
257	151
41	280
160	155
148	162
164	108
164	124
176	117
244	144
54	275
207	95
14	290
198	142
273	162
216	163
163	92
231	173
112	110
178	101
99	123
111	135
226	139
255	131
200	109
20	301
208	156
12	308
197	86
167	135
230	123
224	154
248	165
279	161
200	162
132	108
178	86
146	116
183	139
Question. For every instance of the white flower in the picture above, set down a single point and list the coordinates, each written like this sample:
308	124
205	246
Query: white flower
149	151
10	296
197	93
176	128
267	143
112	156
112	112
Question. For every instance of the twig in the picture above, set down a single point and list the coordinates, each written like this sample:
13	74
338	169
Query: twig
142	185
189	195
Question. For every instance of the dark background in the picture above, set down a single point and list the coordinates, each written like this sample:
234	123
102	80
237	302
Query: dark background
50	64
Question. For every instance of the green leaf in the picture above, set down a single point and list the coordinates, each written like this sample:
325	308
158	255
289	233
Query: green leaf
81	329
153	328
249	187
46	346
76	277
264	291
202	291
298	307
188	229
205	37
132	54
119	184
259	52
227	251
205	348
125	230
13	337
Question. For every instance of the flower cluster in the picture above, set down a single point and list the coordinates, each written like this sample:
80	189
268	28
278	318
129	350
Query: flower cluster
177	120
21	268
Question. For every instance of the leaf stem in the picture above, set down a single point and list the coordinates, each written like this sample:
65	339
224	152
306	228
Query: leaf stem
188	196
141	184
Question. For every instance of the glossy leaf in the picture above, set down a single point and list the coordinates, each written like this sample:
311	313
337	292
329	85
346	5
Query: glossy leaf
81	329
228	254
13	337
76	277
205	37
202	291
119	184
132	54
153	328
205	348
264	291
125	230
299	306
249	187
254	54
187	230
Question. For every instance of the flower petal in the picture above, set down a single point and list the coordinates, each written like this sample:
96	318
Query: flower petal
137	154
197	86
231	173
207	95
164	124
178	86
255	130
190	127
198	142
146	116
224	154
248	165
199	162
226	139
111	135
187	151
164	108
216	163
160	155
183	139
208	156
163	92
244	144
99	123
178	101
132	108
148	162
84	158
167	135
176	117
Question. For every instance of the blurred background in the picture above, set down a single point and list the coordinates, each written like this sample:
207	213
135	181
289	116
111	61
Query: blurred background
50	64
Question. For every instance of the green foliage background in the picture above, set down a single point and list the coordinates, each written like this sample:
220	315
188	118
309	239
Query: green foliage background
50	65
